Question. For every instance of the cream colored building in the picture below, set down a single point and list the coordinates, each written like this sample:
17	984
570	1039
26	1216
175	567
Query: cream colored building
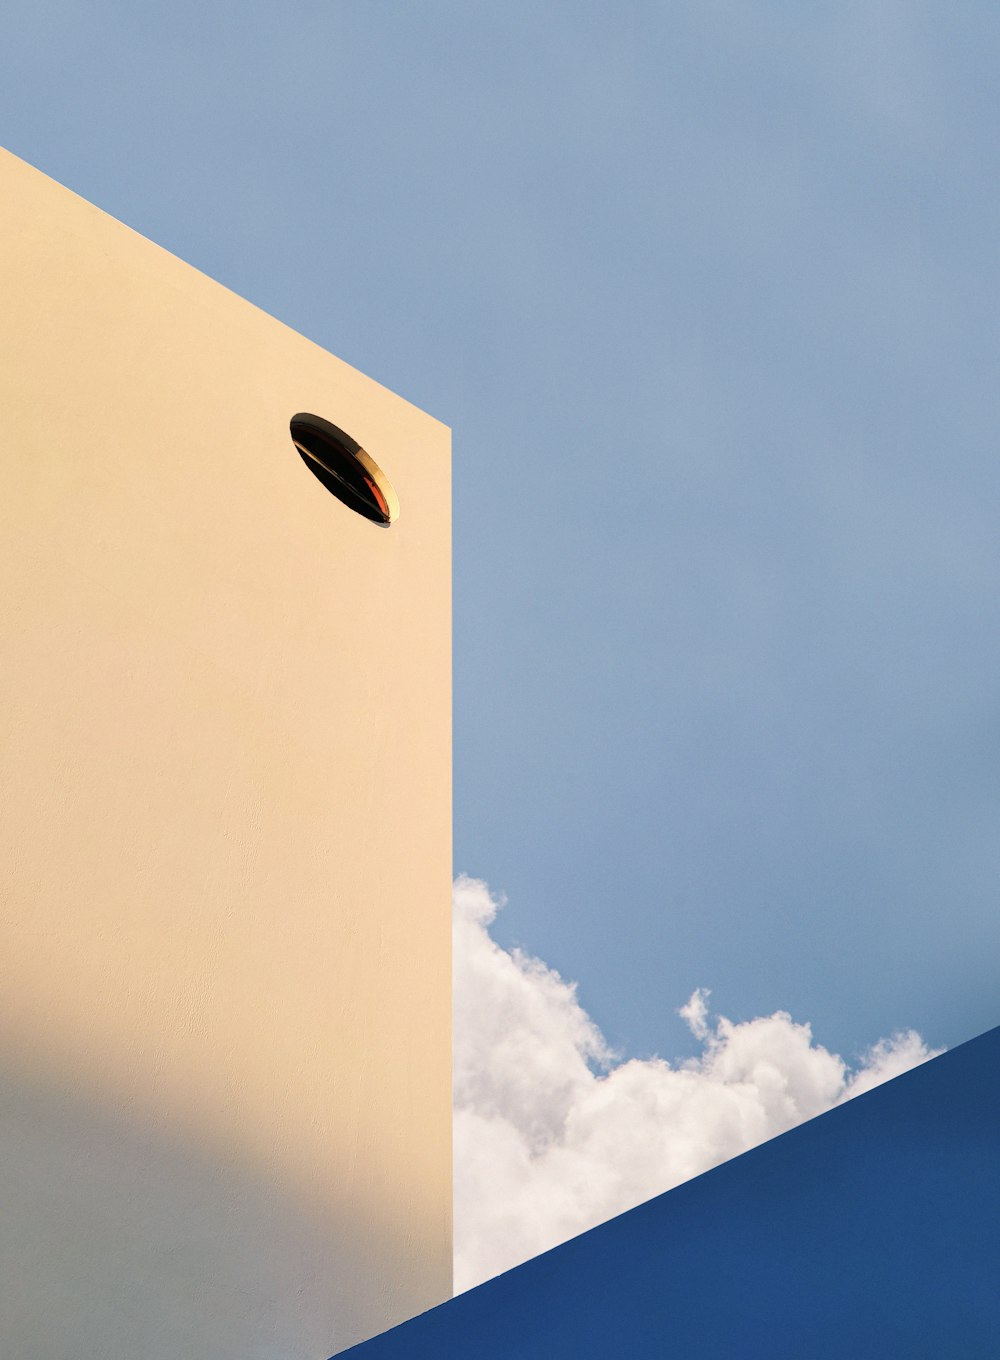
225	938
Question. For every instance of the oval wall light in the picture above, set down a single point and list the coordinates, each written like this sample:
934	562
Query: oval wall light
344	468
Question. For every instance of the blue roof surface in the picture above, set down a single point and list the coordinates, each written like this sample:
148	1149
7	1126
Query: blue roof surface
873	1230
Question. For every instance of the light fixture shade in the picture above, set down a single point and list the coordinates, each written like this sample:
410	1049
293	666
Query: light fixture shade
344	468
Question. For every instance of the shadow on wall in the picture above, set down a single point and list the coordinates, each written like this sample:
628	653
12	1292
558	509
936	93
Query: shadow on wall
117	1242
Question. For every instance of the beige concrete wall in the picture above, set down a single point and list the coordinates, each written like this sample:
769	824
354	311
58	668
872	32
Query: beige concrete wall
225	809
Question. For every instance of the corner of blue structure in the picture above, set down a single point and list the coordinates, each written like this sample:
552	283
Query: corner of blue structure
871	1231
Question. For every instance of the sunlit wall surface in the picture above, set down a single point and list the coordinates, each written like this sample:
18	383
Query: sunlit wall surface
225	699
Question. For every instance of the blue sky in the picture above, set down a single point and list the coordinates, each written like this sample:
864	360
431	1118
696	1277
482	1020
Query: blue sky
708	294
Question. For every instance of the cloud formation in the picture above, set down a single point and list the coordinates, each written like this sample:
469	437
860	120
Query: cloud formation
553	1134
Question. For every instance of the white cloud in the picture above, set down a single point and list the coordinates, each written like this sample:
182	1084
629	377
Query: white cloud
554	1135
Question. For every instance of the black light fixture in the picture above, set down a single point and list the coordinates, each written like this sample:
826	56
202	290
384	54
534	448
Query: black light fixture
344	468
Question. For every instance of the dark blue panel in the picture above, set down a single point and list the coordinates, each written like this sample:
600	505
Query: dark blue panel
872	1231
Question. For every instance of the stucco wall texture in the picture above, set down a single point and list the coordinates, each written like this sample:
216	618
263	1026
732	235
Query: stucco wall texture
225	811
